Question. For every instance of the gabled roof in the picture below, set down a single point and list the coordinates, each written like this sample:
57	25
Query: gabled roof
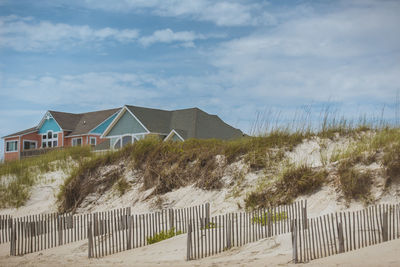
30	130
89	121
155	120
188	123
81	123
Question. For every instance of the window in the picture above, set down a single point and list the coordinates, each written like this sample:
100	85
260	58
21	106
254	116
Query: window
77	141
93	141
118	144
29	144
11	146
126	140
49	139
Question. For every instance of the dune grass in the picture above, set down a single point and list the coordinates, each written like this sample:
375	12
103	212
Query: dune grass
17	177
292	182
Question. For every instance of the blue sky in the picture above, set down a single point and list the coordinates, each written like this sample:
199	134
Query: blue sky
230	58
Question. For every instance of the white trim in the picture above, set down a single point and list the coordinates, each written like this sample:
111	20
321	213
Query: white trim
5	146
120	135
173	132
72	141
52	139
44	117
116	119
104	121
70	136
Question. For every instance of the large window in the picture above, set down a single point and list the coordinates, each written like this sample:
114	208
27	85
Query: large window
93	141
11	146
50	139
29	144
77	141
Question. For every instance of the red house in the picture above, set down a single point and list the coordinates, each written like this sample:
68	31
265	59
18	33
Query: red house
59	129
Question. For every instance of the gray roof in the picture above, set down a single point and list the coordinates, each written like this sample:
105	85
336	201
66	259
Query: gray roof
188	123
33	129
81	123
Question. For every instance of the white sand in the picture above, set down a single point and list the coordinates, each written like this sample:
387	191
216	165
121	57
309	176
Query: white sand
267	252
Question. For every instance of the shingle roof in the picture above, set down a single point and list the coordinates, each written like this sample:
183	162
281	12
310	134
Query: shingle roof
33	129
189	123
88	121
81	123
155	120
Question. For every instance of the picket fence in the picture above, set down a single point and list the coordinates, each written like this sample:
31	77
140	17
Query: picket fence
42	231
5	228
237	229
344	231
113	232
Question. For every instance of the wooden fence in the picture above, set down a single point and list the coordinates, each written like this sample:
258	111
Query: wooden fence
5	228
38	232
110	232
237	229
345	231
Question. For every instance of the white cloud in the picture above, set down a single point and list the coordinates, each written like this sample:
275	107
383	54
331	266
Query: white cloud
222	13
187	38
346	54
27	34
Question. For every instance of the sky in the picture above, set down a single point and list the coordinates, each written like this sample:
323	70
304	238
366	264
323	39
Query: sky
232	58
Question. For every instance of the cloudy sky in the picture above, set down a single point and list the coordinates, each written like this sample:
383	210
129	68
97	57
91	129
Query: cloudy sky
230	58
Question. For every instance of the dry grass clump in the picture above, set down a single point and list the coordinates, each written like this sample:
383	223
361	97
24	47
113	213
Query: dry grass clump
293	182
391	161
354	183
122	186
17	177
87	178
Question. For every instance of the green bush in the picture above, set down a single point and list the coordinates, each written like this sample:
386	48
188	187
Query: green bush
163	235
263	219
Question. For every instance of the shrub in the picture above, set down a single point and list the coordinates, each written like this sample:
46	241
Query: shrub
122	186
263	220
355	184
391	161
163	235
294	181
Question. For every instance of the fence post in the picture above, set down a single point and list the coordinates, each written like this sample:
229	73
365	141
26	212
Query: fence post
269	223
12	241
171	218
385	227
228	233
341	238
189	243
305	226
59	229
294	239
207	214
90	240
129	239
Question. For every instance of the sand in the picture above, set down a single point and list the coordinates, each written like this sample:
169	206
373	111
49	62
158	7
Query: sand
267	252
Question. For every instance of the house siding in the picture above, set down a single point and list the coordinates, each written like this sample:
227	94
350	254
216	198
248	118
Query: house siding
127	124
103	126
9	156
49	125
30	137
